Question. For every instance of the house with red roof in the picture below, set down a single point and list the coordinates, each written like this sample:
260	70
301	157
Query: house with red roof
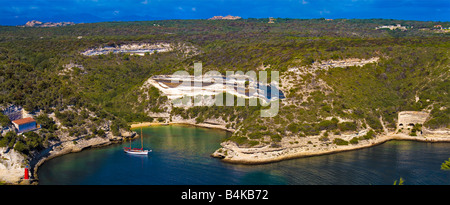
25	124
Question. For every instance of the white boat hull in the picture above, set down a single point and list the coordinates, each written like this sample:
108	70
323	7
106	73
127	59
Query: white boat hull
137	152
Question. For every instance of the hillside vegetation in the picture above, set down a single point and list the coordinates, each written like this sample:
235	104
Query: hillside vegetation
411	73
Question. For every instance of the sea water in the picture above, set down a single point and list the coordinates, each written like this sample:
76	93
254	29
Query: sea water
181	156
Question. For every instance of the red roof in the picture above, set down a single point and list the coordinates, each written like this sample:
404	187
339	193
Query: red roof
24	121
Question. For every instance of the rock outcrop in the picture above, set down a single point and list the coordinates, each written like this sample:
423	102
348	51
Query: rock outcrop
411	118
12	165
229	17
311	146
35	23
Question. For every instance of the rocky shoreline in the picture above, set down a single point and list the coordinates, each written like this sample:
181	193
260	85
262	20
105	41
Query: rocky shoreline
232	153
13	163
71	147
229	153
13	172
184	122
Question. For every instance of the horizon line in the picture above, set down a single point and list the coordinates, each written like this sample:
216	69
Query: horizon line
242	18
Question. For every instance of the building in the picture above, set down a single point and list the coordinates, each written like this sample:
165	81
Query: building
407	119
25	124
437	27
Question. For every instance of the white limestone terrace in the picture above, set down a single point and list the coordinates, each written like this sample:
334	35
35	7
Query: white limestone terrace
135	49
327	64
207	86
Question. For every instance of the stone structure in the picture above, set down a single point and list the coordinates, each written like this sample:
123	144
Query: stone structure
411	118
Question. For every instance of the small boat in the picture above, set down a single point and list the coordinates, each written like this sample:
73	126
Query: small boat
137	151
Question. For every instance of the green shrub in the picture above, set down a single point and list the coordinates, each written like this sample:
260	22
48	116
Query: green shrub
347	126
324	138
46	122
370	135
253	142
374	122
276	138
413	132
354	140
8	140
199	119
327	125
293	127
257	135
446	165
241	140
101	133
326	108
4	120
309	130
339	141
21	147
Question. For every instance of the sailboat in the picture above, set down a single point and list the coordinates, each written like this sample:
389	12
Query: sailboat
137	151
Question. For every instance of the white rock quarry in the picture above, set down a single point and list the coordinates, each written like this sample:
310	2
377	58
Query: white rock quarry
335	64
204	87
136	49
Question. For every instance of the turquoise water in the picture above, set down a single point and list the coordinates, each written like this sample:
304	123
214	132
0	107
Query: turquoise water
181	156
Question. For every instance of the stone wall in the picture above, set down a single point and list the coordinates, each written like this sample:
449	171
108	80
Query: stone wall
410	118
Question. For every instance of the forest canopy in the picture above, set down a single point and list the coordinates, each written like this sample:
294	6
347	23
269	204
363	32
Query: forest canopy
413	63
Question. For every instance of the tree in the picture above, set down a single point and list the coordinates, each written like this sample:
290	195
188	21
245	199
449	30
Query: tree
4	120
21	147
46	122
8	140
400	181
446	165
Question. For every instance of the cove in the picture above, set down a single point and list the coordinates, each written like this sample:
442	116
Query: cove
181	156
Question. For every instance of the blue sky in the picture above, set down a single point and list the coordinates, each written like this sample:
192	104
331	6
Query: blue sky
17	12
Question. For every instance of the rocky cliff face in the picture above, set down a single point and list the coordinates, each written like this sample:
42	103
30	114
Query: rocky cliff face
406	118
12	164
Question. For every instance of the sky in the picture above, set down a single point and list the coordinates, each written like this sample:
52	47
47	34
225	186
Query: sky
18	12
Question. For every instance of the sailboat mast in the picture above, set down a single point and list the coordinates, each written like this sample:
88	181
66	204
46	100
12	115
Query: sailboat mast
142	142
